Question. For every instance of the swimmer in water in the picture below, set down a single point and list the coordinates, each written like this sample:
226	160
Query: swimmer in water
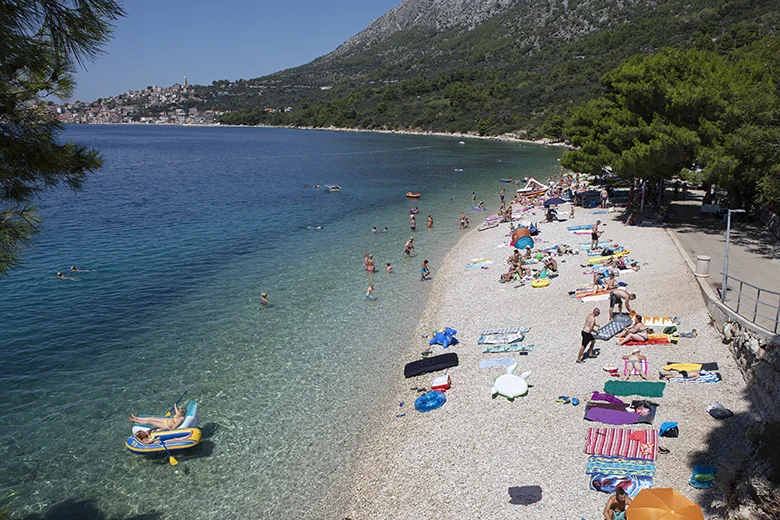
63	277
73	269
370	267
370	291
264	298
373	229
430	221
384	230
409	247
388	267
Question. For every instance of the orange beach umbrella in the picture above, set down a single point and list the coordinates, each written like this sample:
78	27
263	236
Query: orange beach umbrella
662	504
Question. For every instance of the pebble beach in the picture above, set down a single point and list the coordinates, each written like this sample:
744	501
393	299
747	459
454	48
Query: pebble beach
461	460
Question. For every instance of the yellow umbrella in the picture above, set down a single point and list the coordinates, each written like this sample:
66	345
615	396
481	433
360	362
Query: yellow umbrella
662	504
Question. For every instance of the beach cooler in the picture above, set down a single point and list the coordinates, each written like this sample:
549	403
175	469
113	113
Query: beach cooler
441	383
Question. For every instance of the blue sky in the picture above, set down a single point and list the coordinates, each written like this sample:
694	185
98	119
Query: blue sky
161	41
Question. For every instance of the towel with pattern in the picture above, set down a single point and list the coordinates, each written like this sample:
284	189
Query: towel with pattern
500	339
622	442
704	377
514	347
620	466
506	330
631	484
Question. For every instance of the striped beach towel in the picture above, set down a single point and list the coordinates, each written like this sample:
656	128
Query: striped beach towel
620	466
621	442
704	377
634	371
507	330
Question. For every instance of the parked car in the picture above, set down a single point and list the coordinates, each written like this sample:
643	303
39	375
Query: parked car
715	205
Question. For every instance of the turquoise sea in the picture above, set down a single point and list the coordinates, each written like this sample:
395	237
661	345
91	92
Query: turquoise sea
181	231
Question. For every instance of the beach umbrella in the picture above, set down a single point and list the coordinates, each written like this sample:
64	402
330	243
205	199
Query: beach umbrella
662	504
519	233
555	201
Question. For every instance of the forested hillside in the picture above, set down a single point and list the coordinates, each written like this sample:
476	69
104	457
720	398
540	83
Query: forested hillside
512	66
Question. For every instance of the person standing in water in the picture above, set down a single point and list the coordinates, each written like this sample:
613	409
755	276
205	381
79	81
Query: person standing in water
409	247
473	196
412	222
424	271
430	221
502	195
370	291
264	298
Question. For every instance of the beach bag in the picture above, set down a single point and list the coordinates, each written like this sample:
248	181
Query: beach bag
669	429
670	330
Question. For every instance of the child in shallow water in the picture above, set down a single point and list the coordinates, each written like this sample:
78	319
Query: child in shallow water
370	291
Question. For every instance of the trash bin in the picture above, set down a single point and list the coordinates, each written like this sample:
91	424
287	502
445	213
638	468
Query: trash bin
702	266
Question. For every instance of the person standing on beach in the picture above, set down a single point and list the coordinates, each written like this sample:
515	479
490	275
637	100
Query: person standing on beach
409	247
604	198
412	222
588	338
594	236
424	271
617	297
430	221
502	196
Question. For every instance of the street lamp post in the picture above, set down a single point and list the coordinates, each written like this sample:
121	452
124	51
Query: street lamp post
726	256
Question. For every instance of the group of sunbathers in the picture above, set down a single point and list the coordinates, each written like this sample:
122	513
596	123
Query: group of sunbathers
517	267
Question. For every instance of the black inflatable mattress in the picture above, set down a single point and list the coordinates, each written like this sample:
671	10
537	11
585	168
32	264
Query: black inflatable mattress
431	364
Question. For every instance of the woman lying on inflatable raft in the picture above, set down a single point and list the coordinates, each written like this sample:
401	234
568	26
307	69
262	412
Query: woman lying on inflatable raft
153	434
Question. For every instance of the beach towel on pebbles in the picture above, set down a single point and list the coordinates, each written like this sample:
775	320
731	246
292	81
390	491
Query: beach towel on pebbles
620	466
505	330
643	388
620	442
608	483
609	413
704	377
500	339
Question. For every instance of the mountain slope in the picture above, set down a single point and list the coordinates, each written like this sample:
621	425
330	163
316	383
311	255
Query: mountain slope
486	65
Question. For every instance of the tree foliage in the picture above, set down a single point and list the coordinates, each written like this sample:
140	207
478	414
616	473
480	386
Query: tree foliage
679	109
41	41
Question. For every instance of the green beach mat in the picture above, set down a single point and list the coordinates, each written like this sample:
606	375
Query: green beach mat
643	388
493	349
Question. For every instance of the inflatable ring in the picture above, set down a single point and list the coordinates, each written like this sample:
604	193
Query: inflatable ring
430	401
542	282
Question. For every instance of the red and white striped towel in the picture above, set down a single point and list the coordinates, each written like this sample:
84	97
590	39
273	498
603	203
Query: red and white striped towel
615	442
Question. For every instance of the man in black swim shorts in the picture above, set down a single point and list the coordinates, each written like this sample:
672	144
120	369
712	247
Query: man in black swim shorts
588	337
594	236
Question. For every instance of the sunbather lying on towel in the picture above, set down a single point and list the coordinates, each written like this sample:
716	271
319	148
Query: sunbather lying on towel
636	332
635	367
687	374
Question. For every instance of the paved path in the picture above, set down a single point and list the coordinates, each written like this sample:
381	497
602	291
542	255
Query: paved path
754	255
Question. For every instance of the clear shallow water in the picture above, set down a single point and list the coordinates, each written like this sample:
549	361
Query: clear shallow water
179	249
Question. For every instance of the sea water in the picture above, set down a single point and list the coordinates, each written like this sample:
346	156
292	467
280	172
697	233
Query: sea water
181	231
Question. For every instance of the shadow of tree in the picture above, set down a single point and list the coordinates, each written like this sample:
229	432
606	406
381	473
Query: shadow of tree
73	509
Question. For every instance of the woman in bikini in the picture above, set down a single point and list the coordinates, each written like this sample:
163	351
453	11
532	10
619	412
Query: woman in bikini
636	332
162	423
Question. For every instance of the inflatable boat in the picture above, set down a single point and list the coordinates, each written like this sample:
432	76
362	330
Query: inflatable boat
412	195
174	440
190	419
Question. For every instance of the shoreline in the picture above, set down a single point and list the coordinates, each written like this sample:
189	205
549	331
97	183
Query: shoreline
510	137
461	459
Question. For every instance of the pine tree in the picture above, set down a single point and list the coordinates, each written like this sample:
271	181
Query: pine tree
41	43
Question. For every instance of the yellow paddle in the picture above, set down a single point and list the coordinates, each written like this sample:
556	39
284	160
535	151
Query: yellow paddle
171	460
177	402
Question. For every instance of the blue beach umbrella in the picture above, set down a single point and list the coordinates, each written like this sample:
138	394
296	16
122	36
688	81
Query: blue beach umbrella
554	202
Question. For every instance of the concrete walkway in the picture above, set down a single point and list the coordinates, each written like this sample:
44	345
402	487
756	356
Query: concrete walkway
754	256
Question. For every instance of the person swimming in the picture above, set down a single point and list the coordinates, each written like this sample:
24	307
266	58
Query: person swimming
74	269
264	298
388	267
63	277
373	229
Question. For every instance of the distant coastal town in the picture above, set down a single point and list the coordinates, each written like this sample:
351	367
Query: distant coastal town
178	104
